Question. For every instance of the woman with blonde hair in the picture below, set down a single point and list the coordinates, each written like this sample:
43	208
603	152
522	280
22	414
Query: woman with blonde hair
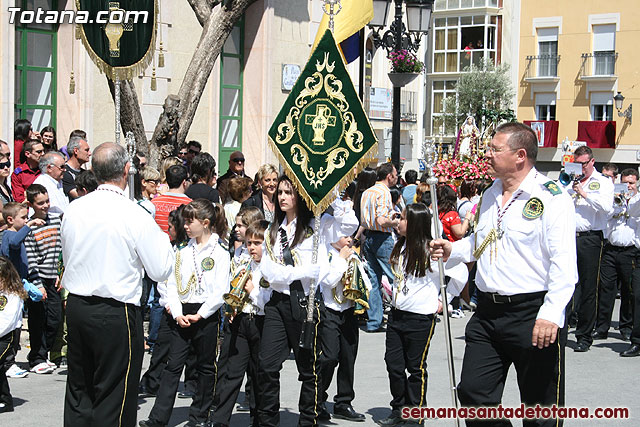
166	164
264	198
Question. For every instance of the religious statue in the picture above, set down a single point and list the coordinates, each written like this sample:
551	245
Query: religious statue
468	138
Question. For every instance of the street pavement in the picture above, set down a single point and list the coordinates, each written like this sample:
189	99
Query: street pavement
598	378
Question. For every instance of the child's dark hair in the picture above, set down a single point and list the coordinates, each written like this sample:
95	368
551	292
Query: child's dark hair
10	282
12	209
34	190
257	229
177	221
416	253
395	195
86	180
202	209
303	214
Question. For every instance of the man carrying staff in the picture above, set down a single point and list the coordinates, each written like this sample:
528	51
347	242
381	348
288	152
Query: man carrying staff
524	245
108	243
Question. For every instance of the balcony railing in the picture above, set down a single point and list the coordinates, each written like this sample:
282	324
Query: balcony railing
408	108
542	66
599	64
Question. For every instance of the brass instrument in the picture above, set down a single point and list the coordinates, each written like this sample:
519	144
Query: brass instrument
237	295
350	281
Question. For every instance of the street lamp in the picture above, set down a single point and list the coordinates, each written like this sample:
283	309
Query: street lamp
399	37
619	100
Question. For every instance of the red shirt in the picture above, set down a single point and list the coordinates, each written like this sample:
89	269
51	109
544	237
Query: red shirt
21	178
165	204
448	219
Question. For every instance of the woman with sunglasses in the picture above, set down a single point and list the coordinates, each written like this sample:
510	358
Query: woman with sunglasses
5	171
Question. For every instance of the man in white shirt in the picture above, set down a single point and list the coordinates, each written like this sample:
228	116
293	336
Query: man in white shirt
524	245
108	243
593	200
52	168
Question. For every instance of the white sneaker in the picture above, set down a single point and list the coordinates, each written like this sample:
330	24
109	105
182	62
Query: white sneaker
16	372
42	368
457	314
51	364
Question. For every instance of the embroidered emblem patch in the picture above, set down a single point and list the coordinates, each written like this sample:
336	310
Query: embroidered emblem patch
3	302
207	264
533	209
553	188
594	185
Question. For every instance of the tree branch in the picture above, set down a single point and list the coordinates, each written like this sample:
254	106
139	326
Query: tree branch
130	116
202	9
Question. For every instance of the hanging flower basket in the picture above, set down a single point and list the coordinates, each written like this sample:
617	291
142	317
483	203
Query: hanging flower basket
405	67
402	79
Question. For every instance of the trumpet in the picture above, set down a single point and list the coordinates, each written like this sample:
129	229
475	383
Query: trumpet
237	295
350	281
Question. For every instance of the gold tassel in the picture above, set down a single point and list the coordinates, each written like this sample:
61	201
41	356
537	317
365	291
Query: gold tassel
72	84
154	81
77	32
161	57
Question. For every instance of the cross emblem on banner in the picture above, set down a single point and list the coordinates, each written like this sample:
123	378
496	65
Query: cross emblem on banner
320	122
114	31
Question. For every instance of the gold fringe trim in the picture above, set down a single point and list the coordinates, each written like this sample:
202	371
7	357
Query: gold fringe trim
161	57
121	73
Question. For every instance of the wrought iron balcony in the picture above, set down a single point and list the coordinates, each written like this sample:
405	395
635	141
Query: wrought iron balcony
542	66
408	106
598	64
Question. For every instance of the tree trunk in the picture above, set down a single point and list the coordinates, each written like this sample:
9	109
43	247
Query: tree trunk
130	116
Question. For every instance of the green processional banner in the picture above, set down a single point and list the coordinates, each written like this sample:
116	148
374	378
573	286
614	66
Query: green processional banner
322	135
120	50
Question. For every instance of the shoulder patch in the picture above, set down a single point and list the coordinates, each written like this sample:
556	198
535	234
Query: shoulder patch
553	188
17	170
533	208
594	185
3	302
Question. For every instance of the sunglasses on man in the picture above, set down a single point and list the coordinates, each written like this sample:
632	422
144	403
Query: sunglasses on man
238	160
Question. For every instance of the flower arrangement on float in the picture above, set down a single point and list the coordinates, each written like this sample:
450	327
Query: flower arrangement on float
457	170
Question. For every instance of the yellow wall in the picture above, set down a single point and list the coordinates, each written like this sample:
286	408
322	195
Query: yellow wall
575	38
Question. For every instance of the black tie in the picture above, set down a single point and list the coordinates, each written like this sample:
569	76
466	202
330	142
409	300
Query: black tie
296	292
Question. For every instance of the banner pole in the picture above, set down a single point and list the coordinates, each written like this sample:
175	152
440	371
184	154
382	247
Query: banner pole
117	102
429	153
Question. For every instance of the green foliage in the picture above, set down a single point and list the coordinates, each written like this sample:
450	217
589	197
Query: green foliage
485	92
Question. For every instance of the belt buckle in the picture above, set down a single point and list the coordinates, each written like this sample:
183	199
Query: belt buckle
507	297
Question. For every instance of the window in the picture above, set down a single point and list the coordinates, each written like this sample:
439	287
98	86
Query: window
441	90
35	69
461	42
463	4
601	106
548	52
231	75
545	106
604	46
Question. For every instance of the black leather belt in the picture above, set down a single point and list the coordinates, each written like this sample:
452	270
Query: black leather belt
589	233
496	298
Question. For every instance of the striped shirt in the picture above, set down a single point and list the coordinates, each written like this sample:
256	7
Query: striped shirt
376	202
165	204
43	247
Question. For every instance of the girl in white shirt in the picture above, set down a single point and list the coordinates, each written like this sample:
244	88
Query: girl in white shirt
12	296
194	296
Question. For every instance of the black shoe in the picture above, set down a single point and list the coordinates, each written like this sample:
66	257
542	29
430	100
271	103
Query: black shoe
5	408
144	392
61	362
243	407
149	423
581	347
347	413
200	424
186	394
626	335
392	420
324	415
597	335
632	351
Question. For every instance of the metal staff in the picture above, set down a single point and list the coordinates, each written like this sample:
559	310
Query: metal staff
130	141
430	160
308	329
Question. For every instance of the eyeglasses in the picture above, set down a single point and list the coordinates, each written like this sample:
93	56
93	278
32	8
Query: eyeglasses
191	151
182	153
494	150
153	181
238	160
62	168
6	164
585	163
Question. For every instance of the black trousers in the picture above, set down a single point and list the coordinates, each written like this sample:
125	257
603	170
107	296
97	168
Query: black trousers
617	266
635	308
44	319
105	350
160	355
406	346
203	336
589	251
339	344
281	334
499	335
6	345
241	346
10	357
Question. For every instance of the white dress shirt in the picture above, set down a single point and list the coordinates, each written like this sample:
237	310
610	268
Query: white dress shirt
11	313
534	255
331	281
259	296
213	284
57	198
593	212
343	222
621	227
108	243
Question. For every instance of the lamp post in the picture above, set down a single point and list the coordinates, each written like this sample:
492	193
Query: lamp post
399	37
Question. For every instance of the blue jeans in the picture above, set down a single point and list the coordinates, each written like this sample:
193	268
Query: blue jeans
155	314
377	251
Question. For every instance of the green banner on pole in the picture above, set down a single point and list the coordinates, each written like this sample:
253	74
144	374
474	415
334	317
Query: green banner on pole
322	135
123	47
